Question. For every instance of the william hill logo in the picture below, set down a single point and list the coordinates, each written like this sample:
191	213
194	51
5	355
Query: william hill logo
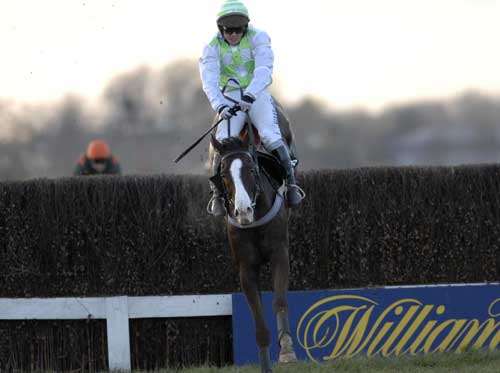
347	325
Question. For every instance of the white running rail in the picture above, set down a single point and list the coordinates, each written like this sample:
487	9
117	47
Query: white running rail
117	311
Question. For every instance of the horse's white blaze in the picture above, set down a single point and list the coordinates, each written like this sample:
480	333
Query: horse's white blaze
241	198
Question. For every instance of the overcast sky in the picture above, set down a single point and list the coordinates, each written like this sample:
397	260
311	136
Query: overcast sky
349	53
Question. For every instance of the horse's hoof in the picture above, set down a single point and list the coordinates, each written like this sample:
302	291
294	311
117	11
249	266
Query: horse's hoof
287	357
287	353
265	361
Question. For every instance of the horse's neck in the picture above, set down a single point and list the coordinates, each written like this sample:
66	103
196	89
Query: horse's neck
266	197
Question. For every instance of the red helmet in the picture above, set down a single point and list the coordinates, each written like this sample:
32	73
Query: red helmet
98	149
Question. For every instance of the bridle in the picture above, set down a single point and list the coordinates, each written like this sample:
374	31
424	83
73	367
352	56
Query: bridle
254	170
278	198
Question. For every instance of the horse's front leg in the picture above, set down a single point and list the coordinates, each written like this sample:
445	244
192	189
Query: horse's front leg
249	278
281	270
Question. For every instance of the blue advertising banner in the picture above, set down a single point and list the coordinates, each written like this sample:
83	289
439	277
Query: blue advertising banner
388	321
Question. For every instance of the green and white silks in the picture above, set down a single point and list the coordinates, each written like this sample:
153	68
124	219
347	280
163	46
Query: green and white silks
237	61
250	62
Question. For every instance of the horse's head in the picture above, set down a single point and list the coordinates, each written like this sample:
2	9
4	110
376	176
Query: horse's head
240	178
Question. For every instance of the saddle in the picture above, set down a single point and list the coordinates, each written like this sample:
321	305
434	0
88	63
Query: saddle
270	164
283	122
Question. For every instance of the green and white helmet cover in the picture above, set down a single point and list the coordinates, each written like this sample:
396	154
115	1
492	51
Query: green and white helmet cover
233	13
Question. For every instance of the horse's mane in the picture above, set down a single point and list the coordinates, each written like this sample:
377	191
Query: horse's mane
228	144
232	144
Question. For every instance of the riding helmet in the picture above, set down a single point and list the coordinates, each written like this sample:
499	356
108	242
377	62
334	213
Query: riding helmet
98	149
233	13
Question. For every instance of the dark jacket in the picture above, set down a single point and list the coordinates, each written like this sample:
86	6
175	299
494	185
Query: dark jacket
85	167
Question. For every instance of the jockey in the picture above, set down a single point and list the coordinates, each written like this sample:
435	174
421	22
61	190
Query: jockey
241	52
97	160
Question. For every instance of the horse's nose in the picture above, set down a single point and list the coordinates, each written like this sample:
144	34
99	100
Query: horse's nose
244	215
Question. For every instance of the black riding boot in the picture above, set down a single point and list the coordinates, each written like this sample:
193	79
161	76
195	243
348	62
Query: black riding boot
216	204
294	194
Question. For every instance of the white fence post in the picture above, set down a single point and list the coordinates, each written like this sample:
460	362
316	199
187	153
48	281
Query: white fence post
117	311
118	333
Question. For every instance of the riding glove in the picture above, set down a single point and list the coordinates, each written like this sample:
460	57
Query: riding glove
246	102
225	112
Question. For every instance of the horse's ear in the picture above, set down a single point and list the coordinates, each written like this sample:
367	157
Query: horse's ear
216	143
245	140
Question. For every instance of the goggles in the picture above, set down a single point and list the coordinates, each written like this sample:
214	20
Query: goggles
233	30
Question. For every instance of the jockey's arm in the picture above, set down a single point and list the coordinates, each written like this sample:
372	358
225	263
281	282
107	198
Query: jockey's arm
264	59
210	74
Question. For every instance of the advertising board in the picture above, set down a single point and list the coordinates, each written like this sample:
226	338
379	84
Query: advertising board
386	321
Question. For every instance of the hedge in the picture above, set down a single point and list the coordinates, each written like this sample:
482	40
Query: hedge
150	235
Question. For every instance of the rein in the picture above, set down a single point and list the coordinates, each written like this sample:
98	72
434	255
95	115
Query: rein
279	193
252	154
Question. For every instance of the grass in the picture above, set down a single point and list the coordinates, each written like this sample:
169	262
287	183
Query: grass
468	362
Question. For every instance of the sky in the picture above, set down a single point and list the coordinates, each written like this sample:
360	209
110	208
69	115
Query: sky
349	54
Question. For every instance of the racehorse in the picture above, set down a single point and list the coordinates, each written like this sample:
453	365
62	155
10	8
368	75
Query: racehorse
257	228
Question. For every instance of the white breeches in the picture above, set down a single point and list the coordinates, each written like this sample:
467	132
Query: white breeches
263	116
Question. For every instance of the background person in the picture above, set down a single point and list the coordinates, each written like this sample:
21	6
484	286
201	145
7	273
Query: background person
97	160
